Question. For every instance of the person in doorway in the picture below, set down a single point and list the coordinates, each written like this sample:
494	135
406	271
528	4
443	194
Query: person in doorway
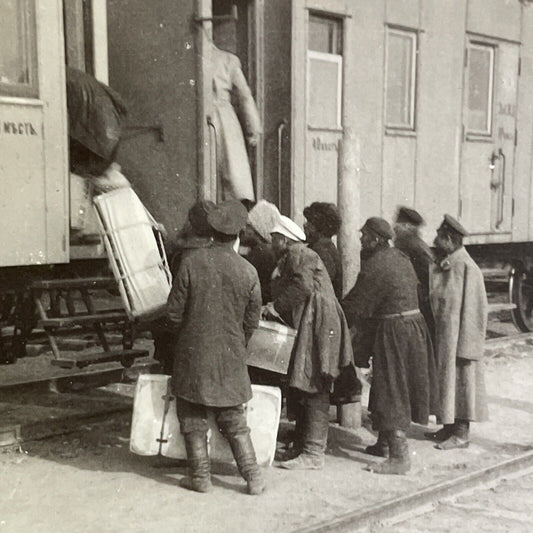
383	307
459	303
213	308
304	298
407	239
322	223
229	84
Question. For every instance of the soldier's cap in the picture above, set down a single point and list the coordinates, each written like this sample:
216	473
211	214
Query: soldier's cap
379	226
198	217
451	224
289	228
228	217
406	214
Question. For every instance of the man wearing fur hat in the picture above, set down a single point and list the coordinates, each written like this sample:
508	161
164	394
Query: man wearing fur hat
383	306
323	222
305	300
459	303
213	308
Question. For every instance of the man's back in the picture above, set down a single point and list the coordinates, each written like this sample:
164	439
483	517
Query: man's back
214	306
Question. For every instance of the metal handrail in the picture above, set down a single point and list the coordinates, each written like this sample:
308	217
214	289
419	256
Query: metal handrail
281	127
501	156
213	150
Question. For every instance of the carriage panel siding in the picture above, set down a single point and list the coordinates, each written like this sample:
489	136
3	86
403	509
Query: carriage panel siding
399	154
439	111
366	87
523	194
403	12
152	63
496	18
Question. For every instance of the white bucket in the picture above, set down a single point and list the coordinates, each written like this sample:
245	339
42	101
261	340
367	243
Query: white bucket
155	427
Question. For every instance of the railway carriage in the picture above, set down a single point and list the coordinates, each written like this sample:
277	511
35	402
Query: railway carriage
365	103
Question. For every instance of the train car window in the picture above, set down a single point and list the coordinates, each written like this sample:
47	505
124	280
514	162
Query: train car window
18	61
324	75
400	91
325	34
480	88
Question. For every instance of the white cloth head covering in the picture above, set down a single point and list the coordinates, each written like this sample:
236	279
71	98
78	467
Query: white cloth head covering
289	228
263	217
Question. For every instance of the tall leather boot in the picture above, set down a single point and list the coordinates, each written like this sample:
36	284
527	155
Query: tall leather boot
244	453
459	438
315	435
380	448
297	443
398	462
198	461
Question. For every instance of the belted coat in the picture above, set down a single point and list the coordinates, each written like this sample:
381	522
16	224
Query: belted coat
404	382
213	308
304	297
459	302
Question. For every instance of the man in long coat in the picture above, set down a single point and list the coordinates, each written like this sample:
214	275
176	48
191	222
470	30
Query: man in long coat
213	307
407	239
323	221
459	303
305	300
383	306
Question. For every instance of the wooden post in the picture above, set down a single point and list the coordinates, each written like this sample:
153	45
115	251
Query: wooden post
349	200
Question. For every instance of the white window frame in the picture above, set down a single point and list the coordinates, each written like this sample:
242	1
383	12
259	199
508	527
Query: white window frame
487	132
413	36
330	58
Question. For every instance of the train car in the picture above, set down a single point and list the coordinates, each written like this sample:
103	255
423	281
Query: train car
370	104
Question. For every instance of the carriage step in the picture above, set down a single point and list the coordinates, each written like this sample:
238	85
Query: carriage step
126	357
494	308
76	283
80	320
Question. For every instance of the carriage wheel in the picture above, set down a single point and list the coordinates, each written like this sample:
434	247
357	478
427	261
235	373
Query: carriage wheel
521	294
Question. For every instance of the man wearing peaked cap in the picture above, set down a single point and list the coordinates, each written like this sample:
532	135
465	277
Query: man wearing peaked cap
289	229
383	307
304	298
452	225
407	239
406	215
378	226
228	218
212	323
459	303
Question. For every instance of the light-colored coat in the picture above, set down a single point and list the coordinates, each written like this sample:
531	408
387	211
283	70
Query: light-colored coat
230	84
459	304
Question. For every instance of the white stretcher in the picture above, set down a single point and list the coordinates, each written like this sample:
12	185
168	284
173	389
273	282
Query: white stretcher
135	251
155	428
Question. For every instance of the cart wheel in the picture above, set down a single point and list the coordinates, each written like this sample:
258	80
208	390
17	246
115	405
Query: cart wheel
521	294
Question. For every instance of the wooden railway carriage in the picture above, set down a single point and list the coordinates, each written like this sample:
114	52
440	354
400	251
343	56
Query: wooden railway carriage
365	103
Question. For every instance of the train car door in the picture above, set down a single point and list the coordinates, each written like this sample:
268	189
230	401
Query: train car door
33	134
489	136
317	100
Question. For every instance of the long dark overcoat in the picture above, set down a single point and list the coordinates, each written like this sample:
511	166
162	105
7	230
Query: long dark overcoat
213	307
304	297
459	303
404	385
422	259
327	251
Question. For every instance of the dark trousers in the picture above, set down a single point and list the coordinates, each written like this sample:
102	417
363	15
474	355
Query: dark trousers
193	417
311	415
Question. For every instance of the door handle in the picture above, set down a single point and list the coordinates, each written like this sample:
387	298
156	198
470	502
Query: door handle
501	186
281	127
